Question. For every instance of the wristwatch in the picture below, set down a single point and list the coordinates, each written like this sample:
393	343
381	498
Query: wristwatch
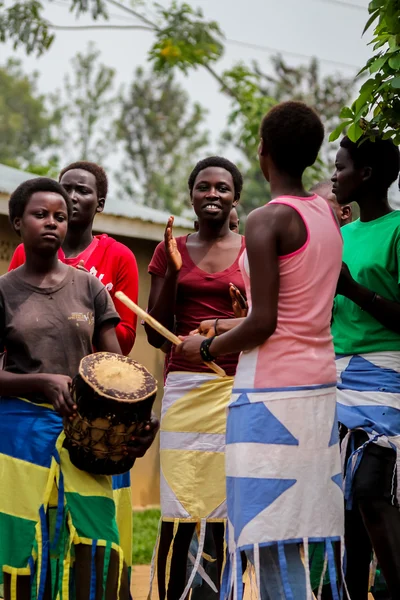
205	350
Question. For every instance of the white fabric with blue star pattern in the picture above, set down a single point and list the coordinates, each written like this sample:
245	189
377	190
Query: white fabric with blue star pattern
284	482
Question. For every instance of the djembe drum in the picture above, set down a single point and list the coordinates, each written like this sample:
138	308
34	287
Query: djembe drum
114	395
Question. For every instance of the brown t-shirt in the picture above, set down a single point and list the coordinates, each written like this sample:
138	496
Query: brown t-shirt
49	330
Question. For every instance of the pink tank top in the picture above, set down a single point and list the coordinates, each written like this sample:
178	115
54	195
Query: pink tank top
300	351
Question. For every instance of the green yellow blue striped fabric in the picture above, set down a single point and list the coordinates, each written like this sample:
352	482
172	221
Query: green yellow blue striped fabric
48	506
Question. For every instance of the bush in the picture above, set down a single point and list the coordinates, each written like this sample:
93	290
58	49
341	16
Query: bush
145	528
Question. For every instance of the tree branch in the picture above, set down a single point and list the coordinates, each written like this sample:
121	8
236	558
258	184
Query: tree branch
222	83
76	27
134	13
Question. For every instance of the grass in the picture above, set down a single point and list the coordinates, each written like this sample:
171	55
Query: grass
145	527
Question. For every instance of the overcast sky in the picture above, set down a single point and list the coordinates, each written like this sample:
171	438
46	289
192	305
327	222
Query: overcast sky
328	29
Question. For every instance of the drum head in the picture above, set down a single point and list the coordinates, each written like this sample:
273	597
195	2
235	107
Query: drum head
117	377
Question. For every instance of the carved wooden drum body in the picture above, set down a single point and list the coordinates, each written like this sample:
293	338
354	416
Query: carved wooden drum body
114	395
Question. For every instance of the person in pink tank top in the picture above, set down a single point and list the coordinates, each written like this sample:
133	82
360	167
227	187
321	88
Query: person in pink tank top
283	474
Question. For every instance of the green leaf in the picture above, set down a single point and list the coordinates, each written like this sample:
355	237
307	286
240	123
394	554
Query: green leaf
378	64
395	82
377	110
354	132
338	130
375	4
368	86
346	113
388	134
394	61
371	20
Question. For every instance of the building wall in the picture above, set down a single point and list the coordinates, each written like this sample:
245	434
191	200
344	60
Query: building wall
8	242
145	473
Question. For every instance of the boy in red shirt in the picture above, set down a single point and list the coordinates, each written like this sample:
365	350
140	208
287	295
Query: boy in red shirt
110	261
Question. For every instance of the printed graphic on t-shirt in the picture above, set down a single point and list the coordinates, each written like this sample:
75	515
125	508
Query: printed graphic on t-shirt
82	318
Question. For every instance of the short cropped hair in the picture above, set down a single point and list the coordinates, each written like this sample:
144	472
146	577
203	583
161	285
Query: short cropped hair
382	156
96	170
20	197
222	163
292	134
321	185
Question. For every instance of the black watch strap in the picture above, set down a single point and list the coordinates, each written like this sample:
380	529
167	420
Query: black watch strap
205	353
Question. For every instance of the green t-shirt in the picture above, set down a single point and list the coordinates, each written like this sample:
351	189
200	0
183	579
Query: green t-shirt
372	253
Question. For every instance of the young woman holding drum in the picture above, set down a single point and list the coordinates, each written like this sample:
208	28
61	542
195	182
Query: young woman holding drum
191	276
58	533
114	265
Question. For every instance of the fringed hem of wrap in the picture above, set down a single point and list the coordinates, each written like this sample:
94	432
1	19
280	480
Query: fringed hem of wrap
195	560
64	538
232	579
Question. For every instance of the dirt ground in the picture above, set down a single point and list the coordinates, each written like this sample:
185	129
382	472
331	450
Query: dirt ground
140	584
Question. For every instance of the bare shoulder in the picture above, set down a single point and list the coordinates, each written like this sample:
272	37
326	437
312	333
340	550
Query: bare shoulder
268	216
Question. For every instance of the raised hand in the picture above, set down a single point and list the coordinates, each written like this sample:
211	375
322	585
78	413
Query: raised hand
239	303
174	257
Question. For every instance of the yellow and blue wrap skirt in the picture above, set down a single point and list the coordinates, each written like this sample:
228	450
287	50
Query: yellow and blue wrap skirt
48	506
192	452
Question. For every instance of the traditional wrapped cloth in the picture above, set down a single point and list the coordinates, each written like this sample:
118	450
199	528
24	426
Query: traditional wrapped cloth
368	399
122	495
48	506
284	482
192	455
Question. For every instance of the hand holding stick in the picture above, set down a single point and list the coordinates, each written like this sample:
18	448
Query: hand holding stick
142	314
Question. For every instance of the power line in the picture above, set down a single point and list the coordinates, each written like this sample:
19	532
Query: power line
109	26
288	52
258	46
346	4
152	27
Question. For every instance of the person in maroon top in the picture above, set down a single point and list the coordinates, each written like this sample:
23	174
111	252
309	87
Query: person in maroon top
190	282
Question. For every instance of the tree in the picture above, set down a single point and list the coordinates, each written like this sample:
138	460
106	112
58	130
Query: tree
24	119
85	109
377	108
326	94
161	135
184	40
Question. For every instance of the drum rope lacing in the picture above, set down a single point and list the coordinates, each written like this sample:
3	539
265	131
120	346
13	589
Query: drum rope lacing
107	432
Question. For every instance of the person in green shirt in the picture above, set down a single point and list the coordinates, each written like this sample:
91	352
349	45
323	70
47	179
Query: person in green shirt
366	331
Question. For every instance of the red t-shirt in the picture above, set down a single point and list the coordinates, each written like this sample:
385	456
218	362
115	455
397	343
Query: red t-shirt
200	296
115	266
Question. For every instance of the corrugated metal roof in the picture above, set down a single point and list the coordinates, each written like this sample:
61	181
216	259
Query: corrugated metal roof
132	210
10	178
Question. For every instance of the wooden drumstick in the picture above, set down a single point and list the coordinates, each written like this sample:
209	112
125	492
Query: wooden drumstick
142	314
